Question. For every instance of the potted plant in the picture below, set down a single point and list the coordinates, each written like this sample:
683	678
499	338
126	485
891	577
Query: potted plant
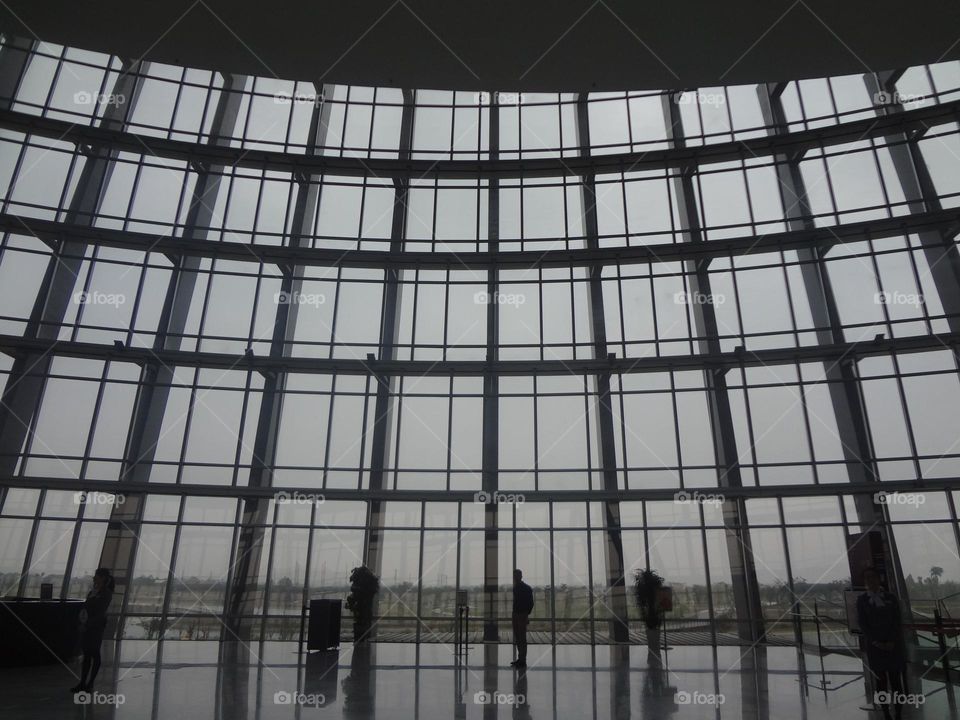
647	585
364	585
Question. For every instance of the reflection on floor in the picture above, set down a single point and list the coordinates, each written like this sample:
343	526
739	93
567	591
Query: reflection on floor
183	680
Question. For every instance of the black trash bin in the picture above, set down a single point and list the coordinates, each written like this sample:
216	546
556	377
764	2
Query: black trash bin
323	626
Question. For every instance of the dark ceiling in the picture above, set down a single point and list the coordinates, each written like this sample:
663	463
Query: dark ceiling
527	45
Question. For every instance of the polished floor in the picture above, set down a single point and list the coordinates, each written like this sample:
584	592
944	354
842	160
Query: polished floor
183	680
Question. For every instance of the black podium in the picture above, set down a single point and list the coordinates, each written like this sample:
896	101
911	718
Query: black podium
323	624
37	632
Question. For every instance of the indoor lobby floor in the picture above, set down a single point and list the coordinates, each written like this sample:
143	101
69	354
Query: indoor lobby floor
183	680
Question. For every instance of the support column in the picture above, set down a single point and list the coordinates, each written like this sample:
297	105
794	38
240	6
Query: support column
843	383
746	592
386	385
22	394
242	588
613	547
120	544
490	459
941	252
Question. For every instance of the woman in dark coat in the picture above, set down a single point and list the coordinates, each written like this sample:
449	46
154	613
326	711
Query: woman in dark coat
879	614
93	622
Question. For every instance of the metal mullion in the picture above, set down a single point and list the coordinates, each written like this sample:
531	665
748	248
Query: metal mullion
553	576
806	424
176	101
268	579
311	529
171	570
187	426
45	110
788	565
422	532
246	120
395	447
590	595
542	340
676	426
88	445
31	544
626	215
336	311
363	434
329	427
623	433
591	461
72	552
450	400
446	315
413	314
244	405
256	208
706	570
536	437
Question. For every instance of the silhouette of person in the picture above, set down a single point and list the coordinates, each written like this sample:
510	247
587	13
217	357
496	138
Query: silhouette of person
93	622
879	614
522	607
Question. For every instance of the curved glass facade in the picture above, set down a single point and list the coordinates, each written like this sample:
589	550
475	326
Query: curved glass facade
255	333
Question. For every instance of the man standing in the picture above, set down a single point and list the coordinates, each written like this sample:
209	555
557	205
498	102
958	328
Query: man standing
522	607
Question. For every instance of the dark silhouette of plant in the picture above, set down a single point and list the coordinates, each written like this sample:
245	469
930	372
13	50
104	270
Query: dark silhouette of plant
646	590
364	585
